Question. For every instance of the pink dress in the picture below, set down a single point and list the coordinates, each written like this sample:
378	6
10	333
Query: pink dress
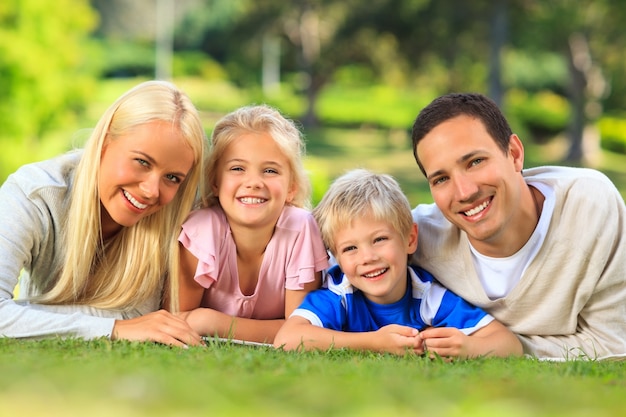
292	257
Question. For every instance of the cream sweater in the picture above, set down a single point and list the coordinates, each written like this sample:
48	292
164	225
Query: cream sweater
571	301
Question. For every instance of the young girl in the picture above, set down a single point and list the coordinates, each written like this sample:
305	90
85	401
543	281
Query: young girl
94	231
253	251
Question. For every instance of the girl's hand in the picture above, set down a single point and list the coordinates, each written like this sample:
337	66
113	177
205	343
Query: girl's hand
160	326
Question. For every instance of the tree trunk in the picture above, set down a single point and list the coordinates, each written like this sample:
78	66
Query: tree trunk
499	20
579	62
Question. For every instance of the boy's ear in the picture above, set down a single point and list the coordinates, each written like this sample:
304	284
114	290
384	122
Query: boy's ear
412	241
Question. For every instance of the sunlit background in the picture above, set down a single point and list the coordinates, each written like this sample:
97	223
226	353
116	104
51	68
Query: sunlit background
353	73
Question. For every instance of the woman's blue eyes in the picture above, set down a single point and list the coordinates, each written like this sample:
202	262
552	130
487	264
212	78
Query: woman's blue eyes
170	177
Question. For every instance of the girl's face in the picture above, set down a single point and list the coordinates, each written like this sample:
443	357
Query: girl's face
140	173
253	181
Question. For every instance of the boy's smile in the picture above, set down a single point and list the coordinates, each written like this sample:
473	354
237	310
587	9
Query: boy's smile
374	258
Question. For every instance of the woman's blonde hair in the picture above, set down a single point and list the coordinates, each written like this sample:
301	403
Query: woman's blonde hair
258	119
129	268
359	193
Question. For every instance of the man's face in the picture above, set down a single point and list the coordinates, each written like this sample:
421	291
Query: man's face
475	185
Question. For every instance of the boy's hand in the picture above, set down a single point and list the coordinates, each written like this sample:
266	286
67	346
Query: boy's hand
445	342
399	340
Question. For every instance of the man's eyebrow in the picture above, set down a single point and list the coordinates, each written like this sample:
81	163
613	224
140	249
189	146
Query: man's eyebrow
464	158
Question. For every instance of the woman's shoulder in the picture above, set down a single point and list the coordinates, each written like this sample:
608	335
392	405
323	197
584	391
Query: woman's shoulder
56	173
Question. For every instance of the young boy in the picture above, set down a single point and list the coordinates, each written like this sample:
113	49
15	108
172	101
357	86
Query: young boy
373	300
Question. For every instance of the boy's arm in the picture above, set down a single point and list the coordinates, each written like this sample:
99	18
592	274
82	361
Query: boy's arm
299	333
492	340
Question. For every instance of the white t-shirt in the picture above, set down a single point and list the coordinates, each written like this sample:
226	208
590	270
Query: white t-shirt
499	275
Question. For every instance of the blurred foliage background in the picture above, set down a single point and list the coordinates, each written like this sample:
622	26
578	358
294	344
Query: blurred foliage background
353	73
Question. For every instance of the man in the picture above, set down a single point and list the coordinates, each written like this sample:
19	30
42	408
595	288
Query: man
543	250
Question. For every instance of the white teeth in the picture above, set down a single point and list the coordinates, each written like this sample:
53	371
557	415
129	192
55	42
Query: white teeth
375	274
134	202
251	200
476	210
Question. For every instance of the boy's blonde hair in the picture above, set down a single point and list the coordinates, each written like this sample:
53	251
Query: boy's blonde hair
360	193
126	270
258	119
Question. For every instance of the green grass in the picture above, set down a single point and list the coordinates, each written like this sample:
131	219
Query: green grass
72	378
76	378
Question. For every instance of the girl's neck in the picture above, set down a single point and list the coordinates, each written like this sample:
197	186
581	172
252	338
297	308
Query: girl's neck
251	242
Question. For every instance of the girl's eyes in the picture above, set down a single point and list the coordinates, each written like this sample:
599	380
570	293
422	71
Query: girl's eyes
271	171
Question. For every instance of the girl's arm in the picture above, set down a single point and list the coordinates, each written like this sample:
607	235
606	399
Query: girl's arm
495	339
211	322
294	298
298	333
189	291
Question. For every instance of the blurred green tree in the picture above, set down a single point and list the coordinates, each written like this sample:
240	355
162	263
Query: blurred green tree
45	71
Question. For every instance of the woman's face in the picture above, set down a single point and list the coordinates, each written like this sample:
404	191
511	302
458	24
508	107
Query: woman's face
141	172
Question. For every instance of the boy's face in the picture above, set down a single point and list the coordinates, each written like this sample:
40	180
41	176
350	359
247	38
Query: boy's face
374	258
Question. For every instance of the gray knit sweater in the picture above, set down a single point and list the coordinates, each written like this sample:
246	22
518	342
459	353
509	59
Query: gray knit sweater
33	205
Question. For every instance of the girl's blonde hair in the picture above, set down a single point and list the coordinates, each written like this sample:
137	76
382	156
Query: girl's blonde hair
360	193
258	119
129	268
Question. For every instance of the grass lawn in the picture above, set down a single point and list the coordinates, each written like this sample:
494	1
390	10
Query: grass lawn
103	378
76	378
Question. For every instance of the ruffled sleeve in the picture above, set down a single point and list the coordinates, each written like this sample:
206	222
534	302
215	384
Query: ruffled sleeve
307	254
203	234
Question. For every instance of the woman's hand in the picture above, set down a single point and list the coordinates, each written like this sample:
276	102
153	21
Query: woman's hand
160	326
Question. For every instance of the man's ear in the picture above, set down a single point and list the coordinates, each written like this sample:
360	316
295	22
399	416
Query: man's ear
516	150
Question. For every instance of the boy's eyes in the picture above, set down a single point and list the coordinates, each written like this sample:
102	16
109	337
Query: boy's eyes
354	247
348	249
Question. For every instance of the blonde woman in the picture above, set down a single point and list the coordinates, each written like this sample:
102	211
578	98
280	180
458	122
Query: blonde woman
94	230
